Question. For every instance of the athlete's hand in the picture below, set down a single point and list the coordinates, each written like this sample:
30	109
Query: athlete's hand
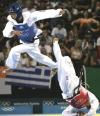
91	113
66	13
55	39
62	12
16	33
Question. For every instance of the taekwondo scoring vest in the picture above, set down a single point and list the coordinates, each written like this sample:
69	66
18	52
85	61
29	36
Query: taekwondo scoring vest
28	32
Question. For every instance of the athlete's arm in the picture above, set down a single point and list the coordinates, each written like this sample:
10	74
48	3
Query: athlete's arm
45	14
94	104
75	21
94	21
7	30
56	49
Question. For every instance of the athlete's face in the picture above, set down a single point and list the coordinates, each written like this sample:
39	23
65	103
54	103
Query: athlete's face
13	15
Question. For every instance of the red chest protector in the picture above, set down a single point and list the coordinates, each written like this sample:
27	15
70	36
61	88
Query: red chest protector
80	100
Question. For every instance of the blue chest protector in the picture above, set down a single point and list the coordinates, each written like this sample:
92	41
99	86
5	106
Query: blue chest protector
28	33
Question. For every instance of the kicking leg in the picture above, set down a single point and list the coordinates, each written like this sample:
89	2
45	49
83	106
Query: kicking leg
43	59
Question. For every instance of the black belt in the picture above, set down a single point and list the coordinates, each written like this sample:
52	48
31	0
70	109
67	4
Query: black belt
76	91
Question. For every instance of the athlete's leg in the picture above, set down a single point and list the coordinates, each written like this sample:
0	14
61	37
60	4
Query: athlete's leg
38	56
14	55
32	50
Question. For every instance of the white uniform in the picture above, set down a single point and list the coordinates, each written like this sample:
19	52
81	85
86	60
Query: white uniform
68	81
66	74
31	49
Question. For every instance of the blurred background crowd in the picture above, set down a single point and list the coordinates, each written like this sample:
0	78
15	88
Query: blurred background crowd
79	30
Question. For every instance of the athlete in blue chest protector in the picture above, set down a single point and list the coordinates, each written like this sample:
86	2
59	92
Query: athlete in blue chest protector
22	25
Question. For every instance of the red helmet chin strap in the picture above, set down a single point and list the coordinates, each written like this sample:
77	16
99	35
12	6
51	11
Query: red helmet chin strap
81	99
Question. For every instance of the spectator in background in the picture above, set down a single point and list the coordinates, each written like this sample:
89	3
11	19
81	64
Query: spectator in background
67	43
2	58
90	57
97	11
63	48
8	46
3	51
28	5
85	25
32	62
46	37
76	56
60	31
42	4
46	44
83	4
24	60
76	51
44	24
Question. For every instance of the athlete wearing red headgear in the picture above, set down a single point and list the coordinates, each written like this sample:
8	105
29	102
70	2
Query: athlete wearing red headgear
81	101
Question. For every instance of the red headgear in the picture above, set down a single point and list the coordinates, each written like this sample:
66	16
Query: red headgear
80	100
